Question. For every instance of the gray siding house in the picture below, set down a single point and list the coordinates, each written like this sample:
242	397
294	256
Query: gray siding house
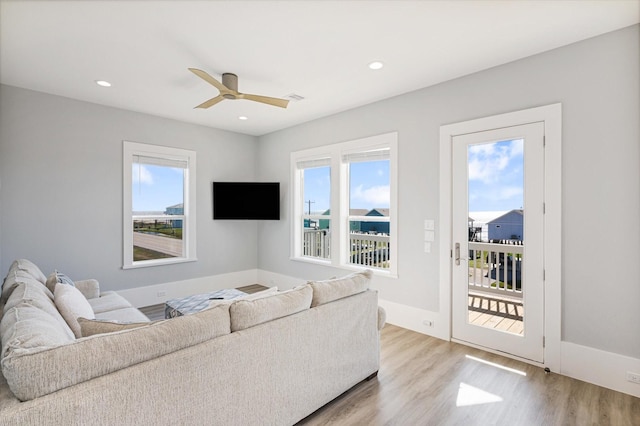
509	226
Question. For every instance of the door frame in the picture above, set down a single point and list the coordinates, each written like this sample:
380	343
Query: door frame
551	116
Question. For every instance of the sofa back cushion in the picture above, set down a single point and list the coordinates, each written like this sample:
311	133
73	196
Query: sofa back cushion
27	328
248	313
34	373
334	289
30	268
34	294
21	270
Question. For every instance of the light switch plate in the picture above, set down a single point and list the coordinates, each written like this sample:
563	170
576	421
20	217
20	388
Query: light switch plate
429	224
429	236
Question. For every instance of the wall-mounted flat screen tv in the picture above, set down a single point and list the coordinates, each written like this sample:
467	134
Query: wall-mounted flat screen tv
246	200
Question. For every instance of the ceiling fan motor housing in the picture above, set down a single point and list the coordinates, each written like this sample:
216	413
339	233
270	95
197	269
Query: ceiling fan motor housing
230	80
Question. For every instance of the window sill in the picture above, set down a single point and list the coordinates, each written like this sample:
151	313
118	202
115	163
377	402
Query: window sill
158	262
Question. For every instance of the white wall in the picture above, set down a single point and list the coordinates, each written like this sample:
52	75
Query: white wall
598	85
61	194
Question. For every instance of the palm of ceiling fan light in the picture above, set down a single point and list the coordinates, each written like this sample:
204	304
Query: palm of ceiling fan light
229	90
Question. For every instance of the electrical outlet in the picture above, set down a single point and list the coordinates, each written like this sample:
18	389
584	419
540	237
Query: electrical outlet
162	293
428	323
633	377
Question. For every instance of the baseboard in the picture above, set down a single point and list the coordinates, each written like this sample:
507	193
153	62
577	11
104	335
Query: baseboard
159	293
606	369
415	319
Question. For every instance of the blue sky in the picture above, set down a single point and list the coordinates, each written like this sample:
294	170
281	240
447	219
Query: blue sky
369	186
156	187
496	176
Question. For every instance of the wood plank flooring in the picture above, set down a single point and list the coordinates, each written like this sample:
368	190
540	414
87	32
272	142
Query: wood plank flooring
428	381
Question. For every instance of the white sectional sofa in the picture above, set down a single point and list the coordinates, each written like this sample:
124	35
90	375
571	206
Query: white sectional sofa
269	361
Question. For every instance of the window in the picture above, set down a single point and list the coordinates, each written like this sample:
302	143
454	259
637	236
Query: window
159	205
344	204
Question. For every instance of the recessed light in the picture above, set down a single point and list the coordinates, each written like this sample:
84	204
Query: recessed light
376	65
103	83
243	117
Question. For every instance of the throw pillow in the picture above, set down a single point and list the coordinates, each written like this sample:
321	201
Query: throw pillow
72	304
89	327
248	313
330	290
56	277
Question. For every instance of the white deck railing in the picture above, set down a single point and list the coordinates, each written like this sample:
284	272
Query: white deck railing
316	243
496	268
370	250
366	249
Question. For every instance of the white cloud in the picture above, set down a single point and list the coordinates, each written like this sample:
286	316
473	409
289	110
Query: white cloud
377	196
141	174
489	161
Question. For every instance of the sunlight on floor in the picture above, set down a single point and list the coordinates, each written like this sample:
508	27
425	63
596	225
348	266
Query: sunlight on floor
470	395
493	364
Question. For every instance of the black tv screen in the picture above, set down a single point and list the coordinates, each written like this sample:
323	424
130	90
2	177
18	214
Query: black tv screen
246	200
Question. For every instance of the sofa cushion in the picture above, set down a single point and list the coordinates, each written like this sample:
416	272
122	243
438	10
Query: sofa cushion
30	268
334	289
15	276
248	313
38	373
90	327
89	288
26	328
108	301
58	278
37	295
72	304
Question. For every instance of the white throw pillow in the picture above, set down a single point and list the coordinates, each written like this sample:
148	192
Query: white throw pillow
72	304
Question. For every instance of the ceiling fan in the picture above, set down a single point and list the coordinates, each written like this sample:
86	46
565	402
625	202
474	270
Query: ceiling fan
229	90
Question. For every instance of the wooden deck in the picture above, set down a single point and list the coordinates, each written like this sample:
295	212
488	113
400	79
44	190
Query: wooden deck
496	312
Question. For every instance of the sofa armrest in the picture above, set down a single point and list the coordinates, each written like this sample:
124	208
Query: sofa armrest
89	288
382	317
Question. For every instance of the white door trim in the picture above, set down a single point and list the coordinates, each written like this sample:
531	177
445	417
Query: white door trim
551	115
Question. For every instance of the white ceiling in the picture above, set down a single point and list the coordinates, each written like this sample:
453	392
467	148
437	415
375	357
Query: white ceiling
316	49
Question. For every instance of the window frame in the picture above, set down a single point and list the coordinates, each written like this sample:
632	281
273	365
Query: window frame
132	150
339	205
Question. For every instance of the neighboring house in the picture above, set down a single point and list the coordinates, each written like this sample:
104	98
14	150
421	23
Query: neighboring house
509	226
376	227
355	226
360	226
177	209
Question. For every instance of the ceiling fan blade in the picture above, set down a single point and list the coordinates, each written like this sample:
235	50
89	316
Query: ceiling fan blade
282	103
206	77
211	102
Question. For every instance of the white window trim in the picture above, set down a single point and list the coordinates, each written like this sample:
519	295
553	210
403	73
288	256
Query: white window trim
131	149
339	217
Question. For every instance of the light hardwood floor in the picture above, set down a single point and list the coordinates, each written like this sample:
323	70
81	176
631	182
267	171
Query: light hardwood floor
428	381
